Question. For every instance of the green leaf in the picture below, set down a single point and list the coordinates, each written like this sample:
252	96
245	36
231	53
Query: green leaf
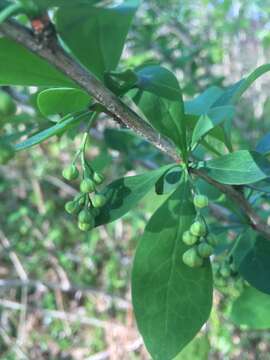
197	349
171	300
168	181
202	103
263	145
159	81
62	101
96	35
251	310
21	67
61	126
166	116
45	4
238	168
123	194
252	259
209	121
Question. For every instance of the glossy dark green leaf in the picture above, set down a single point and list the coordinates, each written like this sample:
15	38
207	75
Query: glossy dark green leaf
169	181
96	35
61	126
19	66
251	257
171	300
123	194
166	116
159	81
62	101
239	167
263	145
251	310
214	117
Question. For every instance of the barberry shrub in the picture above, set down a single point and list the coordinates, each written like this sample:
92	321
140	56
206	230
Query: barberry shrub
70	51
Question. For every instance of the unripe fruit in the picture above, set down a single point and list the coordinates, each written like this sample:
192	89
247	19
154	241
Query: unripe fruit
7	152
189	239
70	173
85	217
98	178
84	226
7	105
198	229
205	250
200	201
71	207
98	200
87	186
191	258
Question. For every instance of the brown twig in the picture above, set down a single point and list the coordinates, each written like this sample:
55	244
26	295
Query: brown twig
56	56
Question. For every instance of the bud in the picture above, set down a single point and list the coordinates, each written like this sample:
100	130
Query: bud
98	178
205	250
84	226
85	217
189	239
71	207
87	186
225	271
98	200
70	173
200	201
198	228
191	258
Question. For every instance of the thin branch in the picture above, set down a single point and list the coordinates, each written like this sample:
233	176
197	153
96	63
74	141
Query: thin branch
56	56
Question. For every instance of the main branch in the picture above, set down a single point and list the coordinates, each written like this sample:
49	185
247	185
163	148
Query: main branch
56	56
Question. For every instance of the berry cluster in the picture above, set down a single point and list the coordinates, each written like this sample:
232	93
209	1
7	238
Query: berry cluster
87	203
202	245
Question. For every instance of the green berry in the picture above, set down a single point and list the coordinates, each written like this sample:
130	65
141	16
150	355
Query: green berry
189	239
198	228
87	186
7	105
7	152
71	207
98	200
84	226
70	173
200	201
98	178
85	217
205	250
191	258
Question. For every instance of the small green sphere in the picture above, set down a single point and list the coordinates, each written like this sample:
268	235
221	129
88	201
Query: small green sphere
98	178
84	226
87	186
7	152
70	173
205	250
198	228
85	217
71	207
7	105
189	239
191	258
98	200
200	201
225	271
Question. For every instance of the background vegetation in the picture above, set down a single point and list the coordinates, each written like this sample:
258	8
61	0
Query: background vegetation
77	301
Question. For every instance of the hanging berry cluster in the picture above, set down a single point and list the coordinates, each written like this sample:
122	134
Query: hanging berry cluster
201	244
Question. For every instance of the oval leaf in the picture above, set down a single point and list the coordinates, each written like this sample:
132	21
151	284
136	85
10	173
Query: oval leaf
123	194
62	101
238	168
171	300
